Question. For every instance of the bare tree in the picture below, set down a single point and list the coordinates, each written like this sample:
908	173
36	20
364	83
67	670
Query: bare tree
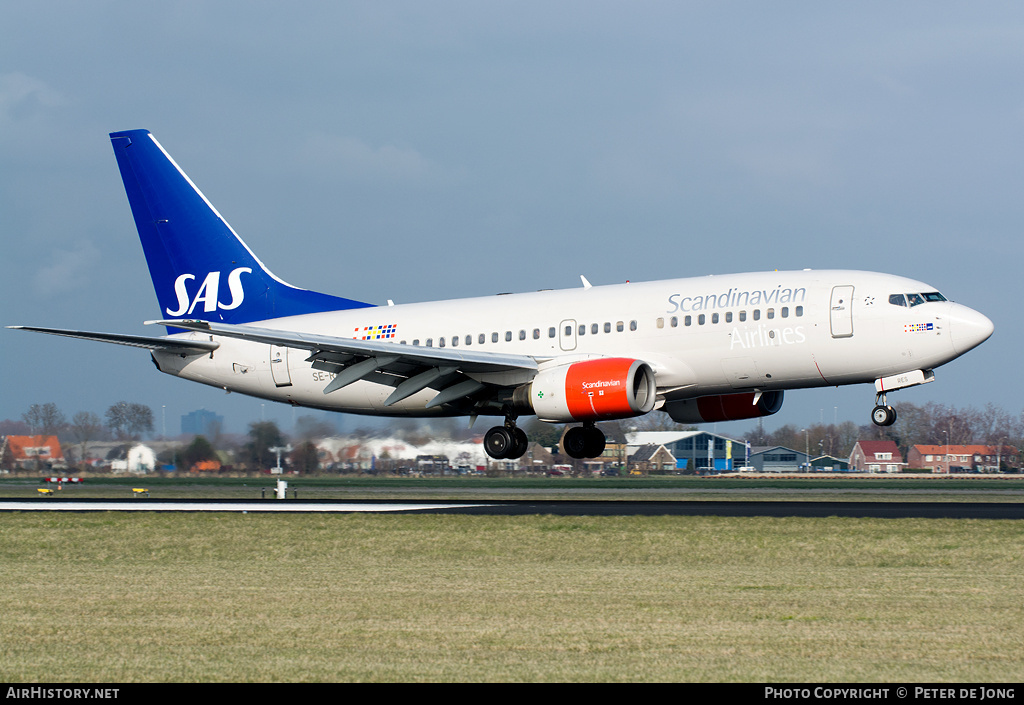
656	421
129	421
85	426
309	427
44	419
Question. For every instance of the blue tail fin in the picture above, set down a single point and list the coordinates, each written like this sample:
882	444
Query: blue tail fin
200	268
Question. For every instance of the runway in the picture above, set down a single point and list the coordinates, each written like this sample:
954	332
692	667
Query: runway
277	506
894	510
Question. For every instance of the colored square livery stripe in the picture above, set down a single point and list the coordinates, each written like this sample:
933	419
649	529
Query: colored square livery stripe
381	332
918	327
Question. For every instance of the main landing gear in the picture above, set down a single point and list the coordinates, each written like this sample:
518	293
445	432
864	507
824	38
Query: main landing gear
509	442
506	442
586	441
882	414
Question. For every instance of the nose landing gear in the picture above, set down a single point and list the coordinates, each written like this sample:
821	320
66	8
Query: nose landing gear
882	414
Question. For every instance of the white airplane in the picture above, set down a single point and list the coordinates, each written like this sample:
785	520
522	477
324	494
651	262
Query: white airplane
703	349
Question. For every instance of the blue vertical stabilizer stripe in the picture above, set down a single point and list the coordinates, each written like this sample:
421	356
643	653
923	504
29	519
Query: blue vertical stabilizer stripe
200	268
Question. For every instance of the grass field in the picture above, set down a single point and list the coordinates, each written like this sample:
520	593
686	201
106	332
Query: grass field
108	597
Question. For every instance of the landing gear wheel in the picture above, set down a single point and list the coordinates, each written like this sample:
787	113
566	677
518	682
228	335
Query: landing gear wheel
498	442
506	442
595	442
883	415
575	442
522	443
584	442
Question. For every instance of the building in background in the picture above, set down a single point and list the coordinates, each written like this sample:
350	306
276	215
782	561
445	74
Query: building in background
34	452
826	463
694	451
778	459
970	458
201	423
876	456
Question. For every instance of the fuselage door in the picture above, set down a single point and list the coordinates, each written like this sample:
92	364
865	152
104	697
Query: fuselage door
841	311
567	334
279	366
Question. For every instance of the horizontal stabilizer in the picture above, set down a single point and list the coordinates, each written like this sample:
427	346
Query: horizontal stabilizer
173	345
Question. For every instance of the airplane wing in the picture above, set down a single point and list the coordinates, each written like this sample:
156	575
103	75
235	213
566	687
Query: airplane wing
172	345
455	373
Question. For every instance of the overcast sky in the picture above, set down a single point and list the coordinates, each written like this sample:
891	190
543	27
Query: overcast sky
426	150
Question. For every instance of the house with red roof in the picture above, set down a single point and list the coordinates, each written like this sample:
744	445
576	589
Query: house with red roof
876	456
31	452
965	458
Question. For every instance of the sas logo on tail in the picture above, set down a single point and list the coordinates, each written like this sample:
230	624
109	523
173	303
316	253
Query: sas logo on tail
208	293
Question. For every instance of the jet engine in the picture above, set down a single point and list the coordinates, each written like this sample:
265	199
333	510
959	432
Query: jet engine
726	407
593	390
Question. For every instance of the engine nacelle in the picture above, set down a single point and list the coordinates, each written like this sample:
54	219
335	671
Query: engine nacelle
593	390
727	407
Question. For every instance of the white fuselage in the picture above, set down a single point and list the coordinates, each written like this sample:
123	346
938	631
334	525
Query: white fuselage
701	336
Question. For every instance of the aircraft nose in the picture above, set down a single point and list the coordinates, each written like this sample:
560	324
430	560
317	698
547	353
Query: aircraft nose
968	328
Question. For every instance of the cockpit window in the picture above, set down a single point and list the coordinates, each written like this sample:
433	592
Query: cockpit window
915	299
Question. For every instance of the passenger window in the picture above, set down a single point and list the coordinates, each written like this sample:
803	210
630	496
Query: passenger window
552	332
583	329
799	311
482	339
469	340
688	320
757	314
619	326
494	337
728	316
700	319
607	327
593	329
632	325
743	316
440	342
522	335
660	323
416	341
568	331
536	333
508	336
771	313
785	311
674	322
455	341
714	318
